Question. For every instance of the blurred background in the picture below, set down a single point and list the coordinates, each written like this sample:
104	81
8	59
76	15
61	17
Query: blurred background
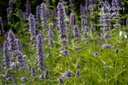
21	4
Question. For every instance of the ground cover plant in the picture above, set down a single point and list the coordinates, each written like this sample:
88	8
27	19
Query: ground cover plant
56	45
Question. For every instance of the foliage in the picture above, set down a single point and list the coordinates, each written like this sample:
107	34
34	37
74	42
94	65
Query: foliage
98	65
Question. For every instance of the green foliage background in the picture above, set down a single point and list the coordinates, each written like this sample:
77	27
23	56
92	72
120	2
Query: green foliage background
107	68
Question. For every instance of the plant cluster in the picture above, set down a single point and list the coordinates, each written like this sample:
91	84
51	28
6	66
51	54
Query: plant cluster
56	46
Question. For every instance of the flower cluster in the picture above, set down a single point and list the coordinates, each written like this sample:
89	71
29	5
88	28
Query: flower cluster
72	22
1	26
20	59
115	12
62	28
69	35
45	75
72	19
33	71
6	55
92	30
44	16
28	8
9	11
54	15
106	45
105	19
85	30
14	47
78	72
8	75
40	58
105	23
61	17
66	74
84	26
76	33
38	15
14	44
50	35
127	22
32	27
84	10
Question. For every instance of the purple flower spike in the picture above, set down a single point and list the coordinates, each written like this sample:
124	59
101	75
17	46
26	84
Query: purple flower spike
94	2
115	3
1	26
82	9
13	45
50	33
62	27
82	23
28	8
8	73
61	15
9	11
46	74
127	22
51	42
76	33
38	14
11	3
87	2
32	26
21	60
72	19
40	58
44	16
6	55
33	71
61	81
78	72
92	30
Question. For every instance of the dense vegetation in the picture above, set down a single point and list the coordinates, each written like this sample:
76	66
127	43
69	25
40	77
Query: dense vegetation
56	43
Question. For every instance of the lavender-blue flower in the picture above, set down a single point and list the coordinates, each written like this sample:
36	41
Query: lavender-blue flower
78	72
32	26
1	26
6	55
61	15
40	58
106	45
38	14
33	71
60	80
46	74
28	8
21	60
51	42
14	43
64	52
76	32
67	74
44	16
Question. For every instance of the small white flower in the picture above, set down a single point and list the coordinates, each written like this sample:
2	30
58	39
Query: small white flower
120	33
125	36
